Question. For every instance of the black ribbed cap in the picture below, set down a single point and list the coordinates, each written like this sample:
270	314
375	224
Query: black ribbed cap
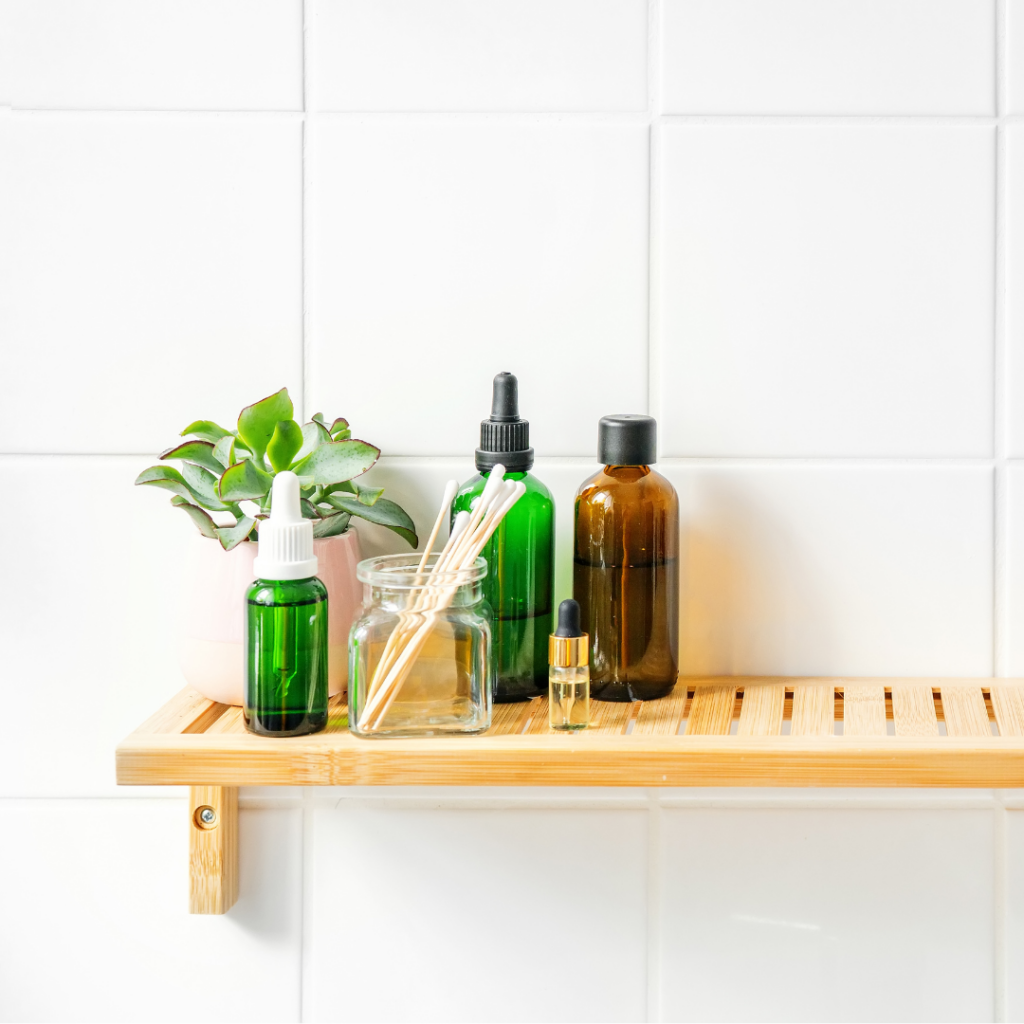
505	438
627	440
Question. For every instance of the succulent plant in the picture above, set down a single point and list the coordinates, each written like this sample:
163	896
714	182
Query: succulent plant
220	468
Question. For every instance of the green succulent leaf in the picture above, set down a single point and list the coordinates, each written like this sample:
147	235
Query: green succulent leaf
336	461
169	479
203	484
317	417
312	435
231	536
308	509
383	512
206	429
284	445
207	527
199	453
257	422
332	525
222	451
340	430
238	452
244	481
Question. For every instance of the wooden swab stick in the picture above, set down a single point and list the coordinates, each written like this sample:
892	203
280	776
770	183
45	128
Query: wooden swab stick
411	617
449	493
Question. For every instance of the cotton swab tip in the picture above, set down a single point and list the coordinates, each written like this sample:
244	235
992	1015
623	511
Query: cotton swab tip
493	485
458	526
450	490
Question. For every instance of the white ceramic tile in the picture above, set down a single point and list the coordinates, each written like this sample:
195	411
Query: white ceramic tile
1015	915
153	54
1015	56
152	270
418	485
827	291
443	253
490	55
1014	390
828	56
1013	619
88	634
95	926
833	915
836	571
436	913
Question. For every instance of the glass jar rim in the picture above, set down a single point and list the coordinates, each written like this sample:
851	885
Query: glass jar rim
400	572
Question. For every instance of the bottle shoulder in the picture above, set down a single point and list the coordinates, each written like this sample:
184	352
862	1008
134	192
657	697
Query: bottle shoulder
627	485
537	493
270	593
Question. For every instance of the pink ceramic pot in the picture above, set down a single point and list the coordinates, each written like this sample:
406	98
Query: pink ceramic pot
210	649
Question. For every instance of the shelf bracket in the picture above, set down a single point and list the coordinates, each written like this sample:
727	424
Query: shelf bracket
212	849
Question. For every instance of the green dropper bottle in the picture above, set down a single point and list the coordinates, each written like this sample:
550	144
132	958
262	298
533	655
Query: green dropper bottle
519	585
285	624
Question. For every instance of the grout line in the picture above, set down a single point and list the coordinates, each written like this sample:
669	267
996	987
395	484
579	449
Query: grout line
654	902
305	918
304	232
788	461
1000	633
999	895
535	116
653	214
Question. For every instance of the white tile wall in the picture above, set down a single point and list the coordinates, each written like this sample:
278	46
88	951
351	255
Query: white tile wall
93	924
146	258
488	55
380	205
152	54
88	631
864	256
516	247
1015	56
828	56
827	914
457	913
836	570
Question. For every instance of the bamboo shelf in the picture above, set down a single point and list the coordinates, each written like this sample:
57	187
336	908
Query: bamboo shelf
724	731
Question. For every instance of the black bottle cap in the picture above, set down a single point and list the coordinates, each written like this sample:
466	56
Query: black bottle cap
505	438
627	439
569	619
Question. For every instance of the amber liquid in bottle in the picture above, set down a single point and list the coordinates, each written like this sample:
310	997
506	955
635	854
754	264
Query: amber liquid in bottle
626	580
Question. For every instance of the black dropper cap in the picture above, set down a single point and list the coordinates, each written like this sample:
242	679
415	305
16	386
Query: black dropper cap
627	440
569	619
505	438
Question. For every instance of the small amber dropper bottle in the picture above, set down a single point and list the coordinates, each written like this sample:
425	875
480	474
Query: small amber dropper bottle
568	671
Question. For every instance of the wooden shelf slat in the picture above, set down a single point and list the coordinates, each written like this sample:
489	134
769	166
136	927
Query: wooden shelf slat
864	710
913	709
814	709
1008	702
711	710
662	717
964	711
762	708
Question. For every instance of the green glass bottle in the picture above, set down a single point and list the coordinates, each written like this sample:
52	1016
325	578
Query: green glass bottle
519	586
285	624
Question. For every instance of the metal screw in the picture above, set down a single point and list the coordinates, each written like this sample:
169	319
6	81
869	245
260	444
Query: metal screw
208	816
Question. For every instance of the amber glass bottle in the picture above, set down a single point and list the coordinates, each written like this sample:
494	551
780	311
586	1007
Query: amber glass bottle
626	565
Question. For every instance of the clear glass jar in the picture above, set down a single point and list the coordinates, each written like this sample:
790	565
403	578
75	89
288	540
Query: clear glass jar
416	669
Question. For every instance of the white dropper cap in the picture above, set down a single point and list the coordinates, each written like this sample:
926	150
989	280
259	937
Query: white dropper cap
286	539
